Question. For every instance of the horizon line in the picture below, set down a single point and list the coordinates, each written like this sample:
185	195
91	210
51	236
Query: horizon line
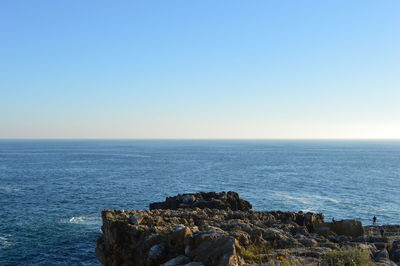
238	139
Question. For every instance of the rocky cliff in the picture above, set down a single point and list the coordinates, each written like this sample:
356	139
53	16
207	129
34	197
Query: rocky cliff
221	229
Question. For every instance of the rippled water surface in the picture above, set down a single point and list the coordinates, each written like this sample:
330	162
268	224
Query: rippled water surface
52	192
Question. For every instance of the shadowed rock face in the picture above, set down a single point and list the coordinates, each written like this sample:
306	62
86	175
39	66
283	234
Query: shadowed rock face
202	200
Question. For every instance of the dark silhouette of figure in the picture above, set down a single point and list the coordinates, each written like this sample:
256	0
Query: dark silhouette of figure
374	220
333	220
382	231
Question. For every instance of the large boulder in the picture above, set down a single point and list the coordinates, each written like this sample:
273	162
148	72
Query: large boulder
202	200
351	228
300	219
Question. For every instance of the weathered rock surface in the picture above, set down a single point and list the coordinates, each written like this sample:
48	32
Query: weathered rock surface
229	234
351	228
202	200
395	251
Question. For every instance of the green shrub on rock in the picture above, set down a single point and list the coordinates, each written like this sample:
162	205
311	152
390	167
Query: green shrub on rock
264	256
254	254
348	257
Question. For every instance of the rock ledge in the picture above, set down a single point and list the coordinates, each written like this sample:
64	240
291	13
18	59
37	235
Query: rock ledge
202	200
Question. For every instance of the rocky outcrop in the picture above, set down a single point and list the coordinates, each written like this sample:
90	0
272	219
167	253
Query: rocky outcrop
387	244
351	228
215	236
209	236
202	200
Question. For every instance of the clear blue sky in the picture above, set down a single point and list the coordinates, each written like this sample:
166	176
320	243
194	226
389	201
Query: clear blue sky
199	69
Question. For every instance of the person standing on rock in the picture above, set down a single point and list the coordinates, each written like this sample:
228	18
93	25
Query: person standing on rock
374	220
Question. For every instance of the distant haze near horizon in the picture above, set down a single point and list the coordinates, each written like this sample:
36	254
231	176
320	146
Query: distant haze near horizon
200	70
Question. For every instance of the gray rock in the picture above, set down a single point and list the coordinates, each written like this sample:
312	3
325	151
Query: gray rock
241	236
273	234
157	252
386	262
308	242
288	242
382	254
188	198
394	254
329	244
177	261
137	218
193	263
341	239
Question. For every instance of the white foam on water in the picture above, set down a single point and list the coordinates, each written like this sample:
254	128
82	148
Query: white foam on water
85	220
326	199
308	210
291	197
9	189
307	199
379	209
5	241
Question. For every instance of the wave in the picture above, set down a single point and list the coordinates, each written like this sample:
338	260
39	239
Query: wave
307	199
308	210
302	199
326	199
5	241
84	220
9	189
379	209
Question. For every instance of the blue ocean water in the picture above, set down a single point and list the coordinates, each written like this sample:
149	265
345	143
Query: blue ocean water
52	191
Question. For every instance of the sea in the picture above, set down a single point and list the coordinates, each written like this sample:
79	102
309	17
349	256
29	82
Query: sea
52	191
